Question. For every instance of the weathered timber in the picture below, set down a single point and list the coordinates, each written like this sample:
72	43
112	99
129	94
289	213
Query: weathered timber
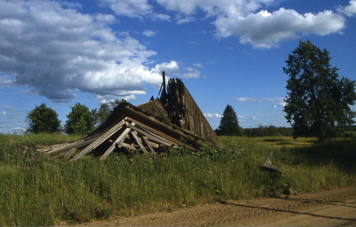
148	144
100	140
152	136
184	111
172	120
70	152
267	165
117	142
138	140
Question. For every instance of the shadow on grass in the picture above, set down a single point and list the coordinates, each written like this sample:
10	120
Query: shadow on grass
341	152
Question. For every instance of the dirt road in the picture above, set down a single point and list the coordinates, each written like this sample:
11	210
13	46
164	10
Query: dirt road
326	208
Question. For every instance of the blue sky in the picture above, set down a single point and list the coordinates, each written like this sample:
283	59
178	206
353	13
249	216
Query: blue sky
225	51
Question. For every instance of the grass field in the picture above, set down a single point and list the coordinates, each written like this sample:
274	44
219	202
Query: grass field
39	190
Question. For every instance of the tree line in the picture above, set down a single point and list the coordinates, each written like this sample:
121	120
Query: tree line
318	104
81	120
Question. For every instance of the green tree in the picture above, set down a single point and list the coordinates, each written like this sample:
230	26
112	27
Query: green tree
42	119
105	110
80	120
318	102
229	124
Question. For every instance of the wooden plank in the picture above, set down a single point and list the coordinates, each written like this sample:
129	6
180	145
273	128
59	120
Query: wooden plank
159	134
81	143
59	155
119	140
64	148
99	140
144	138
138	140
151	136
70	152
164	136
153	144
165	132
128	146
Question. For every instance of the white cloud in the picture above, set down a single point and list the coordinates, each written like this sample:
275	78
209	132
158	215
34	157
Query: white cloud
266	30
199	65
56	50
19	129
149	33
129	8
245	99
349	10
190	73
183	20
134	8
5	80
212	116
168	67
7	107
247	20
278	101
105	18
172	68
4	113
279	104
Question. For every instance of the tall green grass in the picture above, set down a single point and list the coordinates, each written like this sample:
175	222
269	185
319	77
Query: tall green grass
39	190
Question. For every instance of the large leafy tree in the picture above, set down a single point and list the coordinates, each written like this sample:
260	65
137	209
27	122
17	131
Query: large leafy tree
318	101
229	124
80	120
42	119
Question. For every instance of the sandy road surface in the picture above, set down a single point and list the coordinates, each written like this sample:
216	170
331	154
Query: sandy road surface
326	208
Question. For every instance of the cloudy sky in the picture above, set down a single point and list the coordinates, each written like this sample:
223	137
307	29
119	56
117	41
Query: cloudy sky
225	51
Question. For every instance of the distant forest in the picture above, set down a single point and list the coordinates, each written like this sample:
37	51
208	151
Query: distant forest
349	131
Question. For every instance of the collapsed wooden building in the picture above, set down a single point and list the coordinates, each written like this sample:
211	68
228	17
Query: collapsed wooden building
171	120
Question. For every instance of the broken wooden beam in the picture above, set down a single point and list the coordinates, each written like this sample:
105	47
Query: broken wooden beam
99	140
119	140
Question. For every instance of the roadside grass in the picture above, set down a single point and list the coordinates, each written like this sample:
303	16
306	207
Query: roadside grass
39	190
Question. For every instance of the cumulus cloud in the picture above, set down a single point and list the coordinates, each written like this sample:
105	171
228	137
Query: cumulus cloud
247	19
266	30
56	50
168	67
349	10
172	68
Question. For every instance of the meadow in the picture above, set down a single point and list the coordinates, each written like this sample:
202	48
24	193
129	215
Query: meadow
39	190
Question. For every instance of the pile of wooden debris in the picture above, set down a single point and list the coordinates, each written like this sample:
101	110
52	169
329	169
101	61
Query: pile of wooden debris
172	120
